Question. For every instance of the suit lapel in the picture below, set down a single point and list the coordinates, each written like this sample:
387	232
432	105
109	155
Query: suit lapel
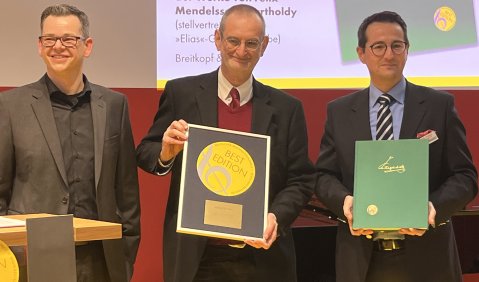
207	100
262	111
98	111
359	116
414	111
42	107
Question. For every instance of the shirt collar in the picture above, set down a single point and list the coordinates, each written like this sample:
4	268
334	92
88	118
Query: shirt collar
398	92
72	100
224	86
52	88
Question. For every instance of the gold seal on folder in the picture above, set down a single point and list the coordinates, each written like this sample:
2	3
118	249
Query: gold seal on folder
372	210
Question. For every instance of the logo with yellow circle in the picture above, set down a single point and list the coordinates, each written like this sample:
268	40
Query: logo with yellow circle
8	264
445	18
225	169
372	210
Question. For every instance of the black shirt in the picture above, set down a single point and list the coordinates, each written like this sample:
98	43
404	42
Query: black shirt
74	123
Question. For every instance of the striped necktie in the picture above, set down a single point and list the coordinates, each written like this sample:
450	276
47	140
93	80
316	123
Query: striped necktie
384	127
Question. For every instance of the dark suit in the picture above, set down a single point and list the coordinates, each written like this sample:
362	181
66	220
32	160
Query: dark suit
452	180
195	99
32	172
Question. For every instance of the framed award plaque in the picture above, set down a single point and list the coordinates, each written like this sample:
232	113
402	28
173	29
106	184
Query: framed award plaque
224	183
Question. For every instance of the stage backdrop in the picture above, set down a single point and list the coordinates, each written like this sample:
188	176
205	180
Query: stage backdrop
124	58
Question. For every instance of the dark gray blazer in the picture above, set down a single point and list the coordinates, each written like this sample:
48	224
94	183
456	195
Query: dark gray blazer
195	99
452	180
32	173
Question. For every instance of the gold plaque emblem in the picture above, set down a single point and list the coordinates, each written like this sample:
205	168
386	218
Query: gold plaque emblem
8	264
372	210
225	168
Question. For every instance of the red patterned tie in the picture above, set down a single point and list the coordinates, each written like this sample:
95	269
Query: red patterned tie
235	99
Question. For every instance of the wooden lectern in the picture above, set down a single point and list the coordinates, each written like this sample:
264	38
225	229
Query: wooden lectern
44	248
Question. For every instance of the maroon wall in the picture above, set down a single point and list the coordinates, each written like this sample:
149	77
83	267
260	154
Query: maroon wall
154	190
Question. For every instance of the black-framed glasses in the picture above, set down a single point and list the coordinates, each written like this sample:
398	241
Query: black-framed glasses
67	41
233	43
380	48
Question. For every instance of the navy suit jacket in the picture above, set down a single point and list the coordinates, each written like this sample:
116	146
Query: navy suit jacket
195	99
452	180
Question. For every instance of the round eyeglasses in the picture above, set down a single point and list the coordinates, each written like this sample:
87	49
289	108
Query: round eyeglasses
233	43
380	48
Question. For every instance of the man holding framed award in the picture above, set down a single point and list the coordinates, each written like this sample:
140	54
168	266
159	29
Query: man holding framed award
392	108
230	98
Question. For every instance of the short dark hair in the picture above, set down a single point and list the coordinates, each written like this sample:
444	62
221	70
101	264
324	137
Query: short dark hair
383	17
241	8
60	10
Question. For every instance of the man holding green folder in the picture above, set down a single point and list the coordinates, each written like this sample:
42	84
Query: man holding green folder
411	112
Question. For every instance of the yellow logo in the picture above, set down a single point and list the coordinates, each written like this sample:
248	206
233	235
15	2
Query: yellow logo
225	169
372	209
8	264
445	18
386	167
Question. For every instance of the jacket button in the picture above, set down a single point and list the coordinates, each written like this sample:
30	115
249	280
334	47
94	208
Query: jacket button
65	200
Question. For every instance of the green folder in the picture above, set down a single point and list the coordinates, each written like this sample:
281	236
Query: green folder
391	184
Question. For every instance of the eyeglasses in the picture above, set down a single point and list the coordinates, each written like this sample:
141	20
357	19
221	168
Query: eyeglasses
233	43
379	49
67	41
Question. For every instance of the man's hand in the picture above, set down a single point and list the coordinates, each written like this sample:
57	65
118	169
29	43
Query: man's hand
173	140
431	218
348	213
269	235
